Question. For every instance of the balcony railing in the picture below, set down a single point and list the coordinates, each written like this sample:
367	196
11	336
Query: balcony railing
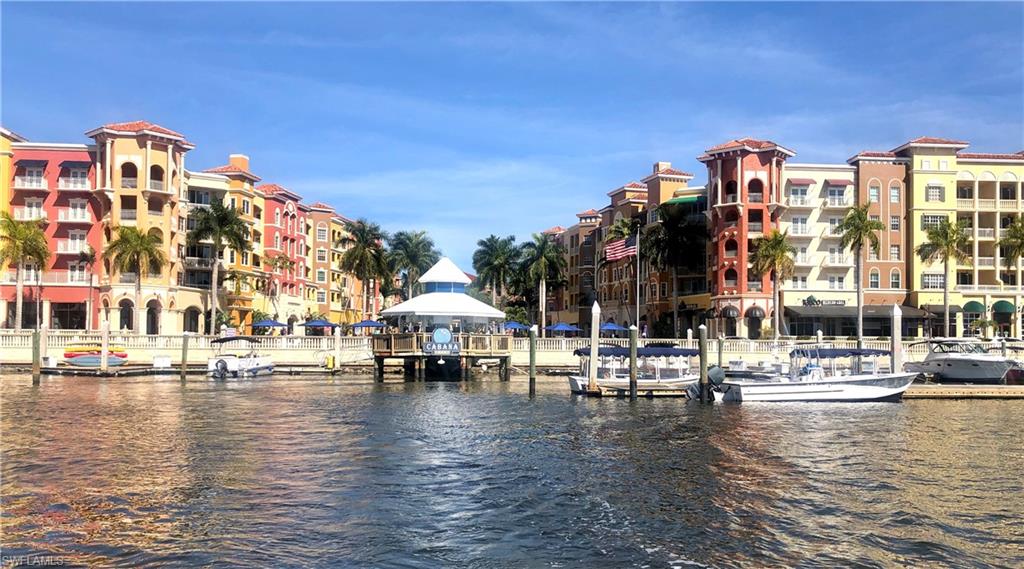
986	233
798	201
29	214
129	214
71	247
74	215
965	203
1006	289
986	261
1005	203
731	198
30	183
754	286
156	185
755	226
129	183
800	231
986	204
838	261
74	184
731	283
56	276
835	201
199	263
757	197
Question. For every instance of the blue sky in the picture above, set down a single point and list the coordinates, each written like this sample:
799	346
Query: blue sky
468	119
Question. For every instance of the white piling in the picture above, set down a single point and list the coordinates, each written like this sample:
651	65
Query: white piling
337	346
104	345
595	331
897	339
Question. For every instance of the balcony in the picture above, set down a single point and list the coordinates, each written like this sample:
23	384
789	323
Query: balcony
965	203
991	289
129	215
985	261
30	183
156	185
755	197
987	204
199	263
29	214
804	261
74	215
755	227
129	183
837	202
800	232
838	261
754	286
832	233
1007	203
733	283
799	202
53	277
71	247
74	184
986	233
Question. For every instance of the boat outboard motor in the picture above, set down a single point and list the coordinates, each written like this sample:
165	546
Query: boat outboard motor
716	375
221	369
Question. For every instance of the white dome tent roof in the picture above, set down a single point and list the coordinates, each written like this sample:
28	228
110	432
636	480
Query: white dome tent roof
444	271
445	304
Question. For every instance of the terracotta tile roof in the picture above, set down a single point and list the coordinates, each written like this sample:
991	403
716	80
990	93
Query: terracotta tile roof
139	126
990	156
635	186
877	154
271	189
322	205
934	140
589	213
232	169
674	172
752	143
554	230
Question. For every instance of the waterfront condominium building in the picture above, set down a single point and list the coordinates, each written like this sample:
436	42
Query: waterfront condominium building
745	202
616	280
285	255
571	303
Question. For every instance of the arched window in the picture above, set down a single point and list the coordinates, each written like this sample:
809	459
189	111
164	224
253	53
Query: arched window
156	178
874	190
731	248
731	195
129	175
127	313
321	232
894	192
894	279
755	191
192	319
732	218
277	217
874	279
731	277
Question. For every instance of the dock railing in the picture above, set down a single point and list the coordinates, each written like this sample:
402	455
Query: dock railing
411	344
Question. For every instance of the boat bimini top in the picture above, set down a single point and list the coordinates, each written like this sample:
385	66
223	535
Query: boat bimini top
229	339
648	352
833	353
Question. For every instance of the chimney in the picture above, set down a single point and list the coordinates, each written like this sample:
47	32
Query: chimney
659	166
239	160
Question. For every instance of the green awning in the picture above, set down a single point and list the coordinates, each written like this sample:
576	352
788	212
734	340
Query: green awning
683	199
1003	307
975	307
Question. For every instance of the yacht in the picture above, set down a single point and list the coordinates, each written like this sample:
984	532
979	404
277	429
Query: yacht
247	364
814	376
662	368
963	360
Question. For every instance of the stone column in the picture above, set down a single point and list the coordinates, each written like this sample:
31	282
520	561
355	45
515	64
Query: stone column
110	165
46	314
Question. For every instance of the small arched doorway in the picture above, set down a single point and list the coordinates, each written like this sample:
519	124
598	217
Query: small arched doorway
126	310
191	323
729	316
153	317
755	316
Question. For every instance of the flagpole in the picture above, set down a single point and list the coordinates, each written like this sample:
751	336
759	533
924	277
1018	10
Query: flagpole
637	276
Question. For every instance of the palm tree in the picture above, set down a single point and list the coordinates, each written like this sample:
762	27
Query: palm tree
494	261
225	227
773	255
1011	246
133	251
364	255
22	243
670	244
858	230
946	241
274	263
412	252
622	229
544	261
87	257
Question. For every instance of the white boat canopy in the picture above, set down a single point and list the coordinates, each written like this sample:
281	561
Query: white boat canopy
444	299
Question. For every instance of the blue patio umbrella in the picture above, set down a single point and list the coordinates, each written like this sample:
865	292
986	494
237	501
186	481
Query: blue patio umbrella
516	326
319	323
613	327
368	324
268	324
563	327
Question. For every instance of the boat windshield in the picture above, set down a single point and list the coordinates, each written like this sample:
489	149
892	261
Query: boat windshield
959	348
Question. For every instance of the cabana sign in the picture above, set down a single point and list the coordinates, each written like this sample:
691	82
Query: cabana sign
442	343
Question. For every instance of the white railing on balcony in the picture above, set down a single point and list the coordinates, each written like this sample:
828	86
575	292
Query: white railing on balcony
1007	203
30	182
198	263
986	261
156	185
754	286
755	197
29	214
798	201
129	183
802	230
74	215
834	201
986	204
965	203
80	184
996	289
55	276
129	214
755	226
71	247
986	233
838	261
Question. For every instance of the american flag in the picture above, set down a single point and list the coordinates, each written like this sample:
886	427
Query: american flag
620	249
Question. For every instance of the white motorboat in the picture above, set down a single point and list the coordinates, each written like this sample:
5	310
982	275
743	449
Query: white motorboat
662	368
963	360
248	364
808	380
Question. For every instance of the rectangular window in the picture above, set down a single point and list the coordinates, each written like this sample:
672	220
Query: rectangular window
929	221
894	252
894	194
833	225
872	254
943	165
321	255
321	276
233	203
875	217
873	193
799	282
926	164
801	256
321	296
798	195
931	281
800	226
894	223
894	279
245	207
245	257
836	283
874	280
321	234
664	290
231	257
934	193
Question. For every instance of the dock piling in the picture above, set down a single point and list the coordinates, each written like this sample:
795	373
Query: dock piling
702	345
595	352
632	362
105	346
184	356
37	356
896	349
721	350
533	359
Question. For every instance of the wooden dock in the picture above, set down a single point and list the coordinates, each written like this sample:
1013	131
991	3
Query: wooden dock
963	391
412	349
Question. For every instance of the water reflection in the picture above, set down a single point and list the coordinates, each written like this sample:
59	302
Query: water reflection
293	472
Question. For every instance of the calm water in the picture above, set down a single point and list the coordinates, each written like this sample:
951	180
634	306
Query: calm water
290	472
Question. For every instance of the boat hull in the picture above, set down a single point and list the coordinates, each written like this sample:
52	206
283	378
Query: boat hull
93	360
578	384
974	369
232	367
880	387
